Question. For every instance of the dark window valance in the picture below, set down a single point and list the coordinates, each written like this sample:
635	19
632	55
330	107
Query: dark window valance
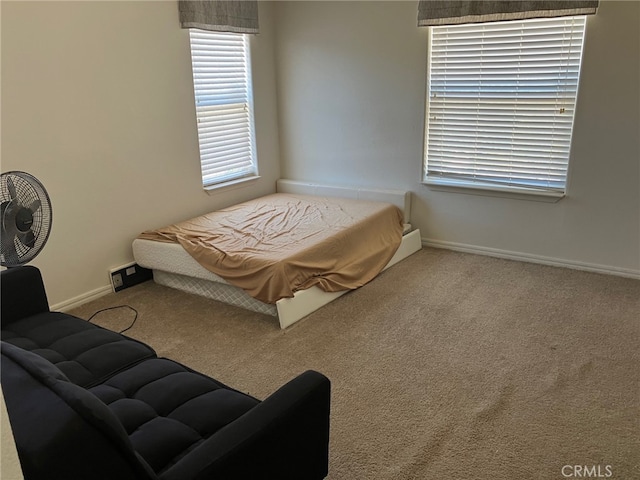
438	12
239	16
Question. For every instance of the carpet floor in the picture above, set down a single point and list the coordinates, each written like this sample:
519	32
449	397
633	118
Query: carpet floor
446	366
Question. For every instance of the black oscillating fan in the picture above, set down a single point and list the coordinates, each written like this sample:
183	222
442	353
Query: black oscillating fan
26	218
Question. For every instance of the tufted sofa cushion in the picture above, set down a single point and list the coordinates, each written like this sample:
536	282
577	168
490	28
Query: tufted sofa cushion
86	353
168	410
62	431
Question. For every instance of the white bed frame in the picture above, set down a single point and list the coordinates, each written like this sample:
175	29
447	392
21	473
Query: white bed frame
304	302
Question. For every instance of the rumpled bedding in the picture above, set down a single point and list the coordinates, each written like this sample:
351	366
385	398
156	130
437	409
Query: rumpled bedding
278	244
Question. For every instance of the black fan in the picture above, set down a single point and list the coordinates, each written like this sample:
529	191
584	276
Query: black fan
26	218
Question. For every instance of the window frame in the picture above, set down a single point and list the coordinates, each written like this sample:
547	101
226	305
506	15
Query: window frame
469	185
250	172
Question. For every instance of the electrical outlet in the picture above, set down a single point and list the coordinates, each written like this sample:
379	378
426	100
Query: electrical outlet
128	275
116	279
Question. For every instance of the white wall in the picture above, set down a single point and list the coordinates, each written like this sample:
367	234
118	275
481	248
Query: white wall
351	83
97	103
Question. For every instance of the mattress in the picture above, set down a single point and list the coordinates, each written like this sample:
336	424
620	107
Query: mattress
276	245
170	257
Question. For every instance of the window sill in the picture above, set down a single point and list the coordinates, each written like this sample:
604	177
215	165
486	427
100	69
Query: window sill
518	193
231	185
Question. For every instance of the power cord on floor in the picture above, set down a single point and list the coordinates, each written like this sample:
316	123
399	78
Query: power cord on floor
113	308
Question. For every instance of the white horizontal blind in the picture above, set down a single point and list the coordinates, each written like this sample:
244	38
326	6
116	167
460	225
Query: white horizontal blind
501	102
224	107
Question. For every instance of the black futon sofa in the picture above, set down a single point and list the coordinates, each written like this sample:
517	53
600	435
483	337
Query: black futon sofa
86	403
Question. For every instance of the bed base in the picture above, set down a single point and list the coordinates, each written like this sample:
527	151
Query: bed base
304	302
221	292
287	310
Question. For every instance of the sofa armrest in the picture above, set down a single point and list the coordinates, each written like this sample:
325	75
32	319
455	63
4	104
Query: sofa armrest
285	437
23	293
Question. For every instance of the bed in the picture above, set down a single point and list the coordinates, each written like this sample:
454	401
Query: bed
296	267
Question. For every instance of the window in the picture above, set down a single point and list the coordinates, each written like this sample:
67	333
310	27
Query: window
224	106
500	104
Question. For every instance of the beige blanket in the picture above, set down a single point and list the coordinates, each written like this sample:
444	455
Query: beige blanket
278	244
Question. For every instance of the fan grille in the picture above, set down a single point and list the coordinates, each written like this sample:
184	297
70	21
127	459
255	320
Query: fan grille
26	190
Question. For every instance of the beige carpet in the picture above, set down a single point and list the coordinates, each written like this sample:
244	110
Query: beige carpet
447	366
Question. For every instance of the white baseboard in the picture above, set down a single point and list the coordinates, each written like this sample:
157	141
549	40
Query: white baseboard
427	242
526	257
81	299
